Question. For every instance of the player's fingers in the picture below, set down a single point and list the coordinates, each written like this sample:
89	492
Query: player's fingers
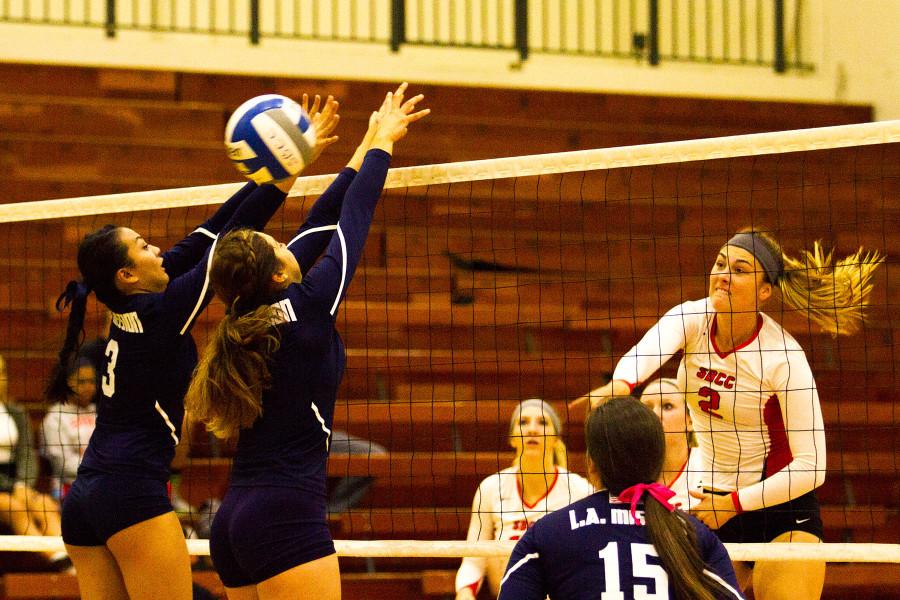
317	102
327	108
410	104
330	114
328	125
418	115
305	103
386	105
399	95
331	105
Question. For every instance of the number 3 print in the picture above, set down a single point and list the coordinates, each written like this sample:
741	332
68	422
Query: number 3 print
109	379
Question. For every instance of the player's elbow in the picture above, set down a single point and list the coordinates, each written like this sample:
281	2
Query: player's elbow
819	477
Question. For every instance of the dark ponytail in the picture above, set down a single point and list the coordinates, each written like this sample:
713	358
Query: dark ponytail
614	430
676	543
75	295
100	255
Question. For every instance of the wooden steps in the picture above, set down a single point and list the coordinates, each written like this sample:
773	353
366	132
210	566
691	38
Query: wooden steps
431	478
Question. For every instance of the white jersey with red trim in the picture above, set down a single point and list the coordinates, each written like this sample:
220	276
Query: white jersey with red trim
685	481
500	513
755	409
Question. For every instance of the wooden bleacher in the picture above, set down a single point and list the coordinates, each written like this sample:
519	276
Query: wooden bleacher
471	297
102	124
841	582
456	473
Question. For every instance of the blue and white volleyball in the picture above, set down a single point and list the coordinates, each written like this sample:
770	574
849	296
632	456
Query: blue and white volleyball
270	138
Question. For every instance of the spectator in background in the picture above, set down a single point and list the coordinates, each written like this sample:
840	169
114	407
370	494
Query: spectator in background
507	503
69	423
22	508
350	490
667	401
600	547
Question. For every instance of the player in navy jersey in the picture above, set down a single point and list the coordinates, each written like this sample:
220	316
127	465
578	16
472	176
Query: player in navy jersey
626	541
752	397
271	373
117	522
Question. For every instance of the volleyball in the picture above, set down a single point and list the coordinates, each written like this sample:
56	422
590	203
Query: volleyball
269	138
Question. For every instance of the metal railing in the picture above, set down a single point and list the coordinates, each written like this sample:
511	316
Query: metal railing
736	32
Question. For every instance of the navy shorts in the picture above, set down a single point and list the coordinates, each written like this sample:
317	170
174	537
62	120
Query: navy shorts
259	532
766	524
100	505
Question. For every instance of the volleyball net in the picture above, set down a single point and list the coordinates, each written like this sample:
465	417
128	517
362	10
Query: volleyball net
485	283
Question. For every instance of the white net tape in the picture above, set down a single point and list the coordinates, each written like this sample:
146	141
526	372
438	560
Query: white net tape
822	138
883	553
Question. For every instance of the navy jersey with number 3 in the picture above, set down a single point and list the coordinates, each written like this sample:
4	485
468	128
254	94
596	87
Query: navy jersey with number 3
150	353
593	549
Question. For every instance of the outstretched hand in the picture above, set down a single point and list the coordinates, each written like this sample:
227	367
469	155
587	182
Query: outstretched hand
324	121
394	117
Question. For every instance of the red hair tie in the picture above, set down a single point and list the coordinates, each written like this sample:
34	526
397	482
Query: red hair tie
658	491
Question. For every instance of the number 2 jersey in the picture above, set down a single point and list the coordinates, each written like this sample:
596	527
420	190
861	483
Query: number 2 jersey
594	549
755	409
150	354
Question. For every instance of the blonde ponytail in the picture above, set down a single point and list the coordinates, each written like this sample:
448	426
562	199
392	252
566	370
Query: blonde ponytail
832	296
560	454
